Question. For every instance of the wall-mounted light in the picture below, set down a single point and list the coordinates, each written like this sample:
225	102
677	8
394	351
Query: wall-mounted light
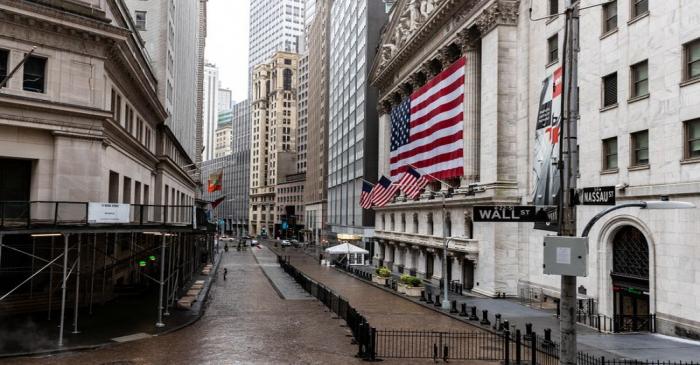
46	234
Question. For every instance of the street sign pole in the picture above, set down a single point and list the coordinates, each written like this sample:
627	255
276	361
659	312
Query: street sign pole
567	212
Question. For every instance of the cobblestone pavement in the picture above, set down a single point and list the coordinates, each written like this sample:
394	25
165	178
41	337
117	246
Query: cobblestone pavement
245	322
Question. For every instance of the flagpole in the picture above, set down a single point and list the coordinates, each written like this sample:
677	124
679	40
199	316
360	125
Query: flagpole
445	300
428	174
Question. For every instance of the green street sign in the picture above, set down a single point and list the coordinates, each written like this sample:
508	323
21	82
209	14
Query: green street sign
152	258
142	263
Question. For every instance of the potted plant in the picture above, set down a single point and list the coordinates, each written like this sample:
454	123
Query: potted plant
413	286
403	283
381	274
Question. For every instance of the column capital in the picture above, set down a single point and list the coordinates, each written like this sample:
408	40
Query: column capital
501	12
469	39
383	107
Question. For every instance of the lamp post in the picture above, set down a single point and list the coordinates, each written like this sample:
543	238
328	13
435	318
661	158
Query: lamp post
653	204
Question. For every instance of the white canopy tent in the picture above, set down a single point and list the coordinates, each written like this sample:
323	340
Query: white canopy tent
354	254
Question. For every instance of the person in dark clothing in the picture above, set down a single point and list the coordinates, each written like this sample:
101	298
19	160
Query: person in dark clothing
225	272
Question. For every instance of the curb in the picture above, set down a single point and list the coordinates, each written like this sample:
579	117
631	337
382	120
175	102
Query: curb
113	343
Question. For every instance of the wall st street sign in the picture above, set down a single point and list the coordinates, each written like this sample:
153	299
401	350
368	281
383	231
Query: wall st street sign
599	195
510	213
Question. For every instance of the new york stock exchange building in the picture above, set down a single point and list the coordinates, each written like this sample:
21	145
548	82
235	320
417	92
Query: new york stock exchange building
638	130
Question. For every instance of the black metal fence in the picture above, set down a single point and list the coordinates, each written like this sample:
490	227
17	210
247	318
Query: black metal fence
485	343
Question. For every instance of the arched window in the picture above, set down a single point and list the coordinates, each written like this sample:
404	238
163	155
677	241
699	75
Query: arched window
430	224
287	79
415	222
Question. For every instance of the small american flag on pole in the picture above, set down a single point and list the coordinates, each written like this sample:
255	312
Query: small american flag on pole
383	192
412	183
426	128
366	195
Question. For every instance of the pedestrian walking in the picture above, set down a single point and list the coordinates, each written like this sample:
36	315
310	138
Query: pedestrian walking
225	272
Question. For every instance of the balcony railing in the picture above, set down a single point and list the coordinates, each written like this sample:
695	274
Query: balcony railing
456	244
15	215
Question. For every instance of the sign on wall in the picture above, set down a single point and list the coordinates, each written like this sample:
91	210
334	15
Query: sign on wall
599	195
108	213
509	213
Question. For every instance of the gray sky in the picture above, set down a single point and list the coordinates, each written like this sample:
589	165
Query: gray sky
227	43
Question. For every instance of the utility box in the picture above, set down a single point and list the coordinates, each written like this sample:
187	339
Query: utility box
565	256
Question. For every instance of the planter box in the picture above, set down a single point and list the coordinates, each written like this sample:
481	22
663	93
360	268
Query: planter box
401	288
379	280
414	291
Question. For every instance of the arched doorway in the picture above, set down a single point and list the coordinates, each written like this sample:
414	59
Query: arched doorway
630	281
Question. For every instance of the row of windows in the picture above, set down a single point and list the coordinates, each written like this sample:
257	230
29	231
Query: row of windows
141	132
390	224
639	147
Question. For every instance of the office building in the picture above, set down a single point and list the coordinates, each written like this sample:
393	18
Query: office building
210	112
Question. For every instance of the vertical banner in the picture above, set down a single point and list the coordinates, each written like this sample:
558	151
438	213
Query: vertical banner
547	187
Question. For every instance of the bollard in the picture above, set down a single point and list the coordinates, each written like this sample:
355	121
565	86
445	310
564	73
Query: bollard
473	316
497	323
547	338
435	352
422	296
528	331
518	355
445	353
506	325
533	349
453	308
463	313
437	301
430	298
485	317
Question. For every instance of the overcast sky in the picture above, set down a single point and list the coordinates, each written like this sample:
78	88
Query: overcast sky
227	43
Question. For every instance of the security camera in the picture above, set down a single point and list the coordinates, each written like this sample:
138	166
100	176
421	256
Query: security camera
622	186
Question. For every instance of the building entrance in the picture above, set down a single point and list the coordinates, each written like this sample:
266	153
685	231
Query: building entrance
630	278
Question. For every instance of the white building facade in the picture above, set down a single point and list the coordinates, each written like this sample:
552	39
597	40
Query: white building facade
637	130
210	112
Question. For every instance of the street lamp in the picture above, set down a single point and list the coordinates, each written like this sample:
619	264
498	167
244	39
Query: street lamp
653	204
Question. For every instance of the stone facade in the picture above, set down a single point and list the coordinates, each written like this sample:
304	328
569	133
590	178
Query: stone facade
507	58
273	136
96	132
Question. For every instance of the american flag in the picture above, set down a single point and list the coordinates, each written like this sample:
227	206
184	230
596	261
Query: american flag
383	192
412	183
366	195
426	128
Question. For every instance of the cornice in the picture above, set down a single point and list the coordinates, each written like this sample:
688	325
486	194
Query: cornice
37	104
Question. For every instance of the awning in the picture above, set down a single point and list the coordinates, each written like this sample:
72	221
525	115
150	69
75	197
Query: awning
345	248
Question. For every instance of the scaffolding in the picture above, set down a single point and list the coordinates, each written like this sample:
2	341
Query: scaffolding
66	262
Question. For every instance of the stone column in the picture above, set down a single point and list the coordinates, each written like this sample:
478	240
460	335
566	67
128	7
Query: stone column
437	265
379	252
384	136
388	255
398	258
456	268
421	264
470	40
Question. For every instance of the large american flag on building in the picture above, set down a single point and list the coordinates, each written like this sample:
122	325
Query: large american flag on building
426	128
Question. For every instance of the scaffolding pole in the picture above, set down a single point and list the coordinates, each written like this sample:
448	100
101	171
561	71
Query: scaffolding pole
31	282
63	288
167	289
77	289
162	277
51	281
92	270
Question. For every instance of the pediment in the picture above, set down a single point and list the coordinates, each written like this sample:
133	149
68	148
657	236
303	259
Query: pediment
407	18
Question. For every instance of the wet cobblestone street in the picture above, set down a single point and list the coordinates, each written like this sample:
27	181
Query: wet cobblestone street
246	322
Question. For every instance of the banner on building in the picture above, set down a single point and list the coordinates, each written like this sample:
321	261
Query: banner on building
547	187
108	213
214	182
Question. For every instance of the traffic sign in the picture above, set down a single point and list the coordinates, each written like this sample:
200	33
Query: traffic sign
510	213
599	195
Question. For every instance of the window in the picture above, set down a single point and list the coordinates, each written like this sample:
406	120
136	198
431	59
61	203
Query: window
610	90
610	154
692	136
34	74
553	49
126	194
609	16
287	79
692	51
639	8
640	79
640	148
141	20
553	7
4	56
430	224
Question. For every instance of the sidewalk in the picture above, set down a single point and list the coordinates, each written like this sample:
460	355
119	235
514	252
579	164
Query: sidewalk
640	346
123	319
